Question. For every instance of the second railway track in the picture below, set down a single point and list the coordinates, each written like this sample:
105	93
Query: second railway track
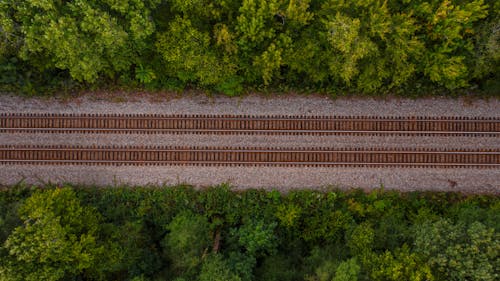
247	156
244	124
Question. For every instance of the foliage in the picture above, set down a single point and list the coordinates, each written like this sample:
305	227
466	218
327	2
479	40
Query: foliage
215	268
369	46
460	251
398	265
347	271
281	266
10	200
255	237
187	242
88	38
58	238
360	240
179	233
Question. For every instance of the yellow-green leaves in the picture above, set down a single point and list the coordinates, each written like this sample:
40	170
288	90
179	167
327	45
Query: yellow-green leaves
186	50
367	46
269	62
253	22
447	28
343	34
298	11
459	251
89	38
398	266
57	238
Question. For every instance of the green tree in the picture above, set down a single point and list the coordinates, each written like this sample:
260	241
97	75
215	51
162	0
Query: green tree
89	38
347	271
332	270
197	45
485	63
256	237
360	239
190	56
281	266
459	251
448	30
215	268
371	45
8	30
398	265
265	31
187	243
58	239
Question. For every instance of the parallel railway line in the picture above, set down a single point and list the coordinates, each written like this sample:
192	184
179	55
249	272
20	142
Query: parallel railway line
247	156
243	124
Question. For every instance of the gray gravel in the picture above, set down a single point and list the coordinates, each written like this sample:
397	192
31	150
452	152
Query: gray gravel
258	105
251	140
282	178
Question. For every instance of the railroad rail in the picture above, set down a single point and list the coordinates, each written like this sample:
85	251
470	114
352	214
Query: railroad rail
246	124
247	156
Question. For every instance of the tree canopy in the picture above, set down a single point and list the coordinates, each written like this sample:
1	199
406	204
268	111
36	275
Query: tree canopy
368	46
178	233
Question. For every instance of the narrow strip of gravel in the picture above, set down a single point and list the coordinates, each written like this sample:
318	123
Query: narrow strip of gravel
251	140
283	179
256	105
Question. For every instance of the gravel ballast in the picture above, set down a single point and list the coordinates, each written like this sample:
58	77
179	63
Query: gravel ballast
257	105
283	178
250	140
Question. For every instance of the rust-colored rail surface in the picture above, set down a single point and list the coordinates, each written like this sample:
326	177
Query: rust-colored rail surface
242	124
251	156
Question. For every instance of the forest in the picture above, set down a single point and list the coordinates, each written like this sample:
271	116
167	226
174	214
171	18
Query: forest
368	47
63	232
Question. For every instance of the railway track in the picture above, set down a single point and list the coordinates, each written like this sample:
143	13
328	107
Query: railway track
247	156
242	124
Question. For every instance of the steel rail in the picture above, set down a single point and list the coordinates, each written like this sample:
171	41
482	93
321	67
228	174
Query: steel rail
246	117
247	124
250	149
253	156
233	163
245	131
